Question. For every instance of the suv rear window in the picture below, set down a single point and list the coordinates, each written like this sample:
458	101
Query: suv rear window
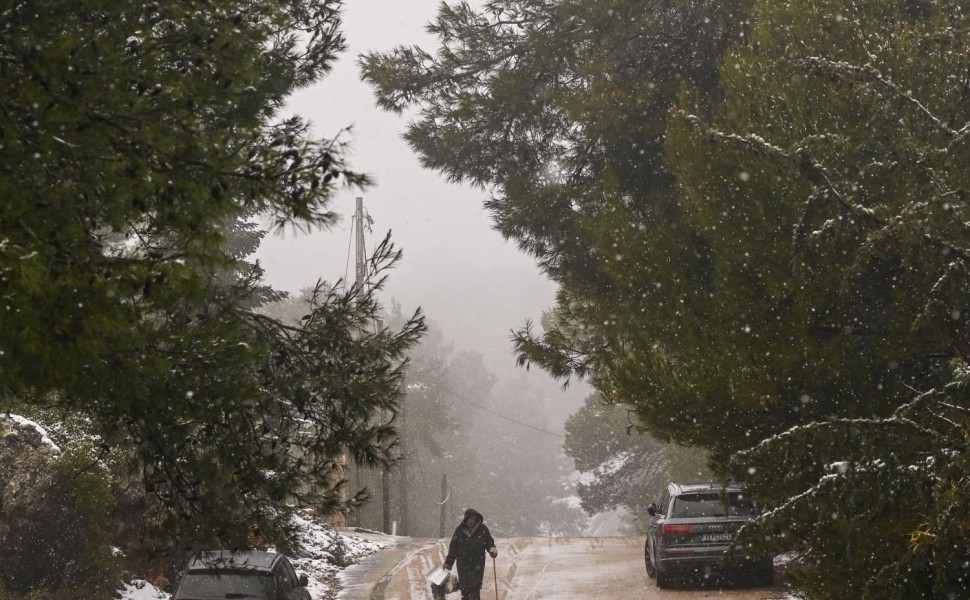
228	584
712	505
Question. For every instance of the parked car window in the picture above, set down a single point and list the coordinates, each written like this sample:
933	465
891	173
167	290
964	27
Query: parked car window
284	585
290	573
712	505
221	583
664	502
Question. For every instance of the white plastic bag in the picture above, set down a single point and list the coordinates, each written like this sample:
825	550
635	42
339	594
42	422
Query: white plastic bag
442	581
437	575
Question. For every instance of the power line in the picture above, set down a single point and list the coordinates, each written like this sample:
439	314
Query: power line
507	418
424	480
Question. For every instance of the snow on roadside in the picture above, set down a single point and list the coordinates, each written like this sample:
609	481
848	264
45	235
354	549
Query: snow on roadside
325	552
23	422
139	589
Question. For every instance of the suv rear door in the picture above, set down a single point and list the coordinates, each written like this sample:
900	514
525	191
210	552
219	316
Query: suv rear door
711	522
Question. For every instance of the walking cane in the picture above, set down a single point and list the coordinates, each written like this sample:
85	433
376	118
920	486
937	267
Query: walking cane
495	575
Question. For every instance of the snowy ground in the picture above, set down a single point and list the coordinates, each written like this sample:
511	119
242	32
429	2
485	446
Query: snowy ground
323	549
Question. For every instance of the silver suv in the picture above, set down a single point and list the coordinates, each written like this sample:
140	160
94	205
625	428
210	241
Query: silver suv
252	575
692	529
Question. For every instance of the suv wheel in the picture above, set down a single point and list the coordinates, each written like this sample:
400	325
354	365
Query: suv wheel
651	570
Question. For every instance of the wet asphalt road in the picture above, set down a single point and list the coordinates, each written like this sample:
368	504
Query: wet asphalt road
532	569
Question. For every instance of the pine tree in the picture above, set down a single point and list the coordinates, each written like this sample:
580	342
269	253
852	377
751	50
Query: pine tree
828	189
559	110
137	141
626	467
546	105
783	260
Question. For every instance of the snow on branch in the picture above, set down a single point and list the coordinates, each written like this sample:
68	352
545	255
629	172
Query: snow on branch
801	159
830	483
868	73
794	434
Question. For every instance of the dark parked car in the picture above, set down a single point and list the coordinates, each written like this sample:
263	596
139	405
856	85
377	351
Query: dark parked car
692	529
251	575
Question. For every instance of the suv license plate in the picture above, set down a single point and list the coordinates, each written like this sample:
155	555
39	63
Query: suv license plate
717	537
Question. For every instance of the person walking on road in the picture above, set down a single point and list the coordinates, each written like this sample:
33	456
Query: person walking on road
468	546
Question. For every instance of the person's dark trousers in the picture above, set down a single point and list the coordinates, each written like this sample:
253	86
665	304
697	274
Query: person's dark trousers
471	595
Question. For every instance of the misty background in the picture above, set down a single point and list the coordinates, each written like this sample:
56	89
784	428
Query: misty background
502	431
469	280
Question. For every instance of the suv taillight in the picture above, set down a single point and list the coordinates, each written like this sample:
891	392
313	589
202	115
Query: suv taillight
673	529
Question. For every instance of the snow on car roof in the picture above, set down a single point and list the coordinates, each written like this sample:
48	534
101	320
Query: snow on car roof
226	559
709	486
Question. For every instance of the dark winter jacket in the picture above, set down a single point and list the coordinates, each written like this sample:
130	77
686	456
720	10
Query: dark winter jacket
468	548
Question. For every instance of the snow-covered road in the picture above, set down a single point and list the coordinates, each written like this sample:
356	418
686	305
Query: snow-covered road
531	569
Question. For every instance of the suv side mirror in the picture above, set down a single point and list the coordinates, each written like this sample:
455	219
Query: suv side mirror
304	580
652	510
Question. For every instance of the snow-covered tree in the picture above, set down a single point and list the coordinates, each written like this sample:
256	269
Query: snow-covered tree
559	110
622	466
830	191
780	246
137	140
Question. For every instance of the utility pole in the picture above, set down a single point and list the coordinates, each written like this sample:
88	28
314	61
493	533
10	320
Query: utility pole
360	272
385	498
361	251
360	279
403	478
452	502
444	506
361	219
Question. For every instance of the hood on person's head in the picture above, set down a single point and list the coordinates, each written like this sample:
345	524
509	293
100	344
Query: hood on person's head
471	512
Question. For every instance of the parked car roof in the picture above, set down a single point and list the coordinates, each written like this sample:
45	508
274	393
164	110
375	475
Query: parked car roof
686	488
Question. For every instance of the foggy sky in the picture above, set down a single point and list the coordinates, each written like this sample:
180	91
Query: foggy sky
470	281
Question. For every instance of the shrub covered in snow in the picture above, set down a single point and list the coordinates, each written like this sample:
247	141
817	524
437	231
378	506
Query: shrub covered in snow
54	517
